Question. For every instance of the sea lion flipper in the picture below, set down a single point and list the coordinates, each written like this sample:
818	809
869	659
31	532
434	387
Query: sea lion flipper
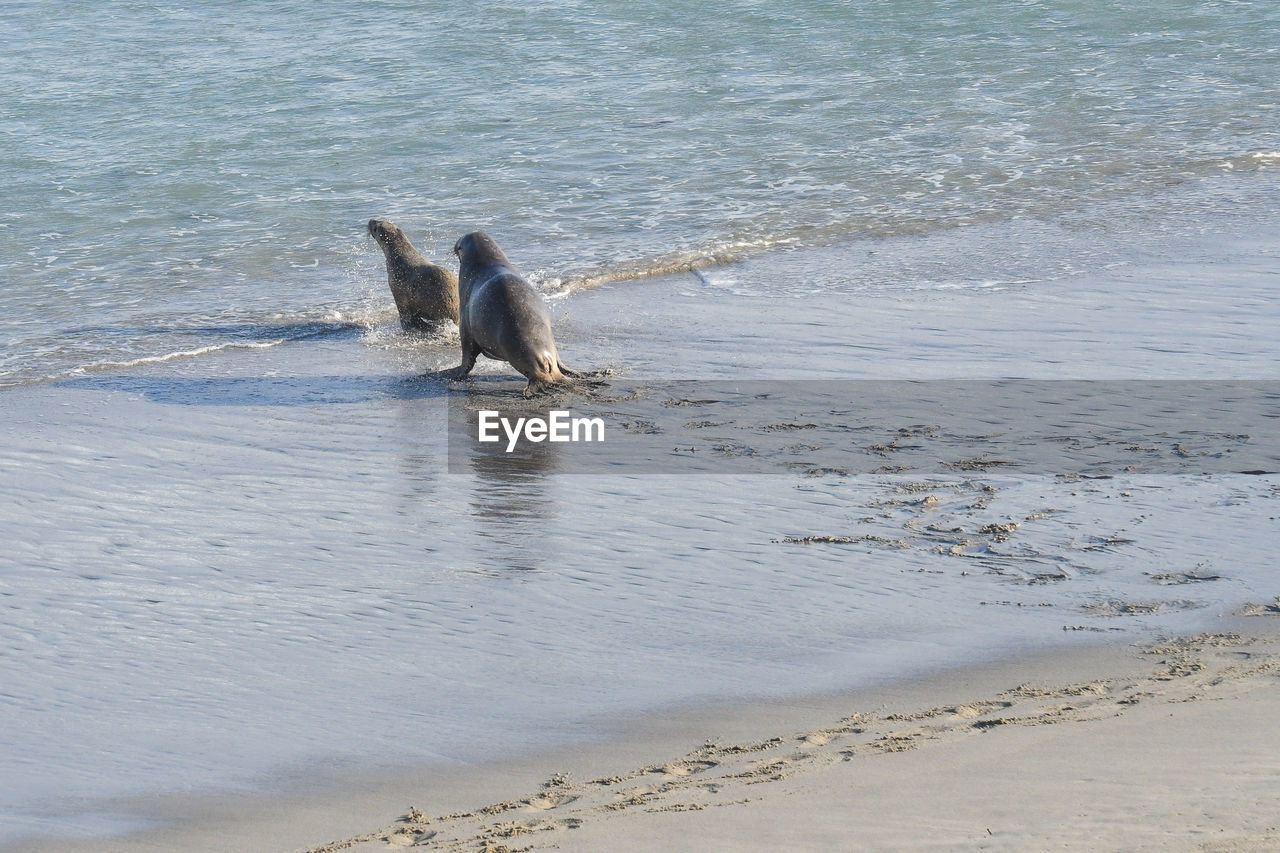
461	371
469	355
450	375
584	377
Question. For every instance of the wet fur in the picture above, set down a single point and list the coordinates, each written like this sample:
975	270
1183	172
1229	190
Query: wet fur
426	294
503	317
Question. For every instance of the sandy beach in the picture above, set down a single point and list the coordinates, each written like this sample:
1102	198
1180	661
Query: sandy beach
1169	744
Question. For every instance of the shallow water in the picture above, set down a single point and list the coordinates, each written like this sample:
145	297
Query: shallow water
234	546
187	179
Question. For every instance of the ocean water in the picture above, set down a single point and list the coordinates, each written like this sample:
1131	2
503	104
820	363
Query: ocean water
186	176
234	550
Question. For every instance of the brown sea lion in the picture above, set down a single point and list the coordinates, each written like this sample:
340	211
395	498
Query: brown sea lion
503	317
426	294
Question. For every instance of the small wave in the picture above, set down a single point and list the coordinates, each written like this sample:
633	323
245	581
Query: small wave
888	224
174	356
143	361
697	261
248	336
689	260
1251	162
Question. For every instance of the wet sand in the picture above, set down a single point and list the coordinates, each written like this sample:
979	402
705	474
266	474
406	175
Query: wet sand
1167	744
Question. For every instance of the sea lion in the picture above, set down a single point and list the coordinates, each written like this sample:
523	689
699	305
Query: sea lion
503	317
426	294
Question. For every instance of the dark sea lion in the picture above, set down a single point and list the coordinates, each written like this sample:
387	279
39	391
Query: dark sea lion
503	317
426	294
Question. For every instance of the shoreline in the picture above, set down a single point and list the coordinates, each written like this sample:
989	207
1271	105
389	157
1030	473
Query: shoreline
884	268
1108	745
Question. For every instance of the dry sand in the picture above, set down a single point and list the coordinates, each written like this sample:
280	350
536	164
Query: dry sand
1167	745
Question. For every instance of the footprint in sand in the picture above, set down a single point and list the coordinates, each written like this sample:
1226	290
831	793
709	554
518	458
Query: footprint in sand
407	838
545	802
633	797
977	709
686	768
898	741
771	769
517	828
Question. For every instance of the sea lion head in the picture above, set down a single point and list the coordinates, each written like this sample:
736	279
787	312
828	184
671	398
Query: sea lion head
478	248
386	233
